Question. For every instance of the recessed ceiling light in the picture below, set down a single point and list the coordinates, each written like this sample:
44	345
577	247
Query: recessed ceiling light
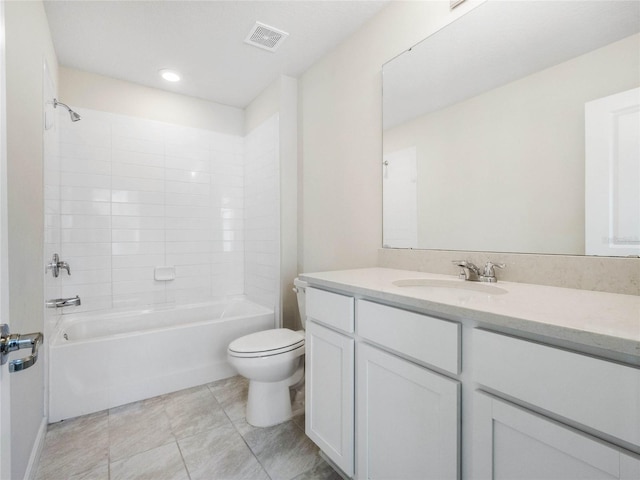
170	75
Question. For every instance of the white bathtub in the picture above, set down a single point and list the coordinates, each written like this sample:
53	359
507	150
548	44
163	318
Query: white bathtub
99	361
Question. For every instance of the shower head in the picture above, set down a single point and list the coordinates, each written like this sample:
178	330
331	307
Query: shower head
74	116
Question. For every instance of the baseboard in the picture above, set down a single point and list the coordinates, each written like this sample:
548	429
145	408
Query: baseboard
36	451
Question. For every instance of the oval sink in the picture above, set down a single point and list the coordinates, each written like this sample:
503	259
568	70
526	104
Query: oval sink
451	284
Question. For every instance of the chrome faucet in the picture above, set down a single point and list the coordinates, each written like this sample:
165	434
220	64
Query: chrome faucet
63	302
470	272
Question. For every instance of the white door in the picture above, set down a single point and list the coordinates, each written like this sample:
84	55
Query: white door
513	443
329	384
612	175
408	419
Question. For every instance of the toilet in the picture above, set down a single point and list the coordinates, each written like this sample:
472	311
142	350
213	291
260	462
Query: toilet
272	361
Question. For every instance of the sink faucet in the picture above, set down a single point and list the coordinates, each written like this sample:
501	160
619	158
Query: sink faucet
471	273
468	271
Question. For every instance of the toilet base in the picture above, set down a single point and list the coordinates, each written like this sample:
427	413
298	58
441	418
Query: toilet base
268	403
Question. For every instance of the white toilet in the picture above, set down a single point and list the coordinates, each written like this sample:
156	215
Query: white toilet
272	361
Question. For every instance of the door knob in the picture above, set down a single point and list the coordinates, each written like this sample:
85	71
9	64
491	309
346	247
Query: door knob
11	342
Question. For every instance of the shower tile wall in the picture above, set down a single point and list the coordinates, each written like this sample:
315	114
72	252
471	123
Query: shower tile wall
262	213
135	194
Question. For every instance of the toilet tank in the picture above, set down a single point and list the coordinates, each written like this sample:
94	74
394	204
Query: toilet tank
300	287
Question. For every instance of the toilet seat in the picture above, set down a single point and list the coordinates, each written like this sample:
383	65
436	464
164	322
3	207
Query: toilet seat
266	343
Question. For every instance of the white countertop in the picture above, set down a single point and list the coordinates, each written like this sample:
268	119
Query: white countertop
603	320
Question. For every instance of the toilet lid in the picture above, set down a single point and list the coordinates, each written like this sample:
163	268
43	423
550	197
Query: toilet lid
273	341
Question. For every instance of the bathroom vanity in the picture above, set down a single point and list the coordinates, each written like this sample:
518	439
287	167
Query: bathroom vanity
411	375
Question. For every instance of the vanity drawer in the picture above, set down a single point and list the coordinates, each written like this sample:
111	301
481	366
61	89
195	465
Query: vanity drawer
596	393
329	308
424	338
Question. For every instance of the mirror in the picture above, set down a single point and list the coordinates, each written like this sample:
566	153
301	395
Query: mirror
484	128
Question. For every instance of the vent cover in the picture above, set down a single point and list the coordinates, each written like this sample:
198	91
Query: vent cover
265	37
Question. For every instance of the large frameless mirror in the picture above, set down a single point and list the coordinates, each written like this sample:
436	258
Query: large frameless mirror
516	129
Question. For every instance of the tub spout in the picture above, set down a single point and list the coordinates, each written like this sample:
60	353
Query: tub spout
63	302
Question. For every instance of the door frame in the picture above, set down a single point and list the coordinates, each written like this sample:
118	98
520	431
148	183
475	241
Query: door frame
5	387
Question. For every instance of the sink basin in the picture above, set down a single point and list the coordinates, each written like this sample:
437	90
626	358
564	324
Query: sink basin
457	285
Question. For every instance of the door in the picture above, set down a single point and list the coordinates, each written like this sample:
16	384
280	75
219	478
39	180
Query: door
612	176
408	419
329	384
513	443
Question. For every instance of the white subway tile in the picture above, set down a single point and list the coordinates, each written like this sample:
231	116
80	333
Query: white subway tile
202	234
177	175
85	235
180	199
154	147
85	221
80	263
137	286
86	290
137	235
137	158
187	187
135	222
81	277
85	208
84	249
188	247
85	194
139	184
127	261
75	165
134	196
86	151
137	248
85	180
137	171
187	259
182	211
133	273
137	210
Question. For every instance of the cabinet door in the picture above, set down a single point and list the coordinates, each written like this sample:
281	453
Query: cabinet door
514	443
329	393
408	419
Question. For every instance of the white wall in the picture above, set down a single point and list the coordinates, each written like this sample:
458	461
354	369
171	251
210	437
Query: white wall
28	43
107	94
341	136
523	151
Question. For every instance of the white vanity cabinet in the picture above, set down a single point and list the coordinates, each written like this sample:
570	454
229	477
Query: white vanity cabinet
407	416
594	395
372	406
407	419
329	376
512	442
390	395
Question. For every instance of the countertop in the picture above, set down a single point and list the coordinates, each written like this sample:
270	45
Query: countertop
600	320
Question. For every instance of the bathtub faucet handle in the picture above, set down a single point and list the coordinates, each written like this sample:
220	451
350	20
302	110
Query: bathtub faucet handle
56	265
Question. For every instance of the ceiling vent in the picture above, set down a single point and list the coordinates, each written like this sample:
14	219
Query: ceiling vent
265	37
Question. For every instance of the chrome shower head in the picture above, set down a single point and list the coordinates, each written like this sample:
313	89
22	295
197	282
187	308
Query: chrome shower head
74	116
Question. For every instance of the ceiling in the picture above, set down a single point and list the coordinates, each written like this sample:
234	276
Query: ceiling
203	40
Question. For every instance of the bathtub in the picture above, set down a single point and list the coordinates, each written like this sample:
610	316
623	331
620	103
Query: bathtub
102	360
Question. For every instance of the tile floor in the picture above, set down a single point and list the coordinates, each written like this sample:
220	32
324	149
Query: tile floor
194	434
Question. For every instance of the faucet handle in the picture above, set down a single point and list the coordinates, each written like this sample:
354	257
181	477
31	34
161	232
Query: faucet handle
489	274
